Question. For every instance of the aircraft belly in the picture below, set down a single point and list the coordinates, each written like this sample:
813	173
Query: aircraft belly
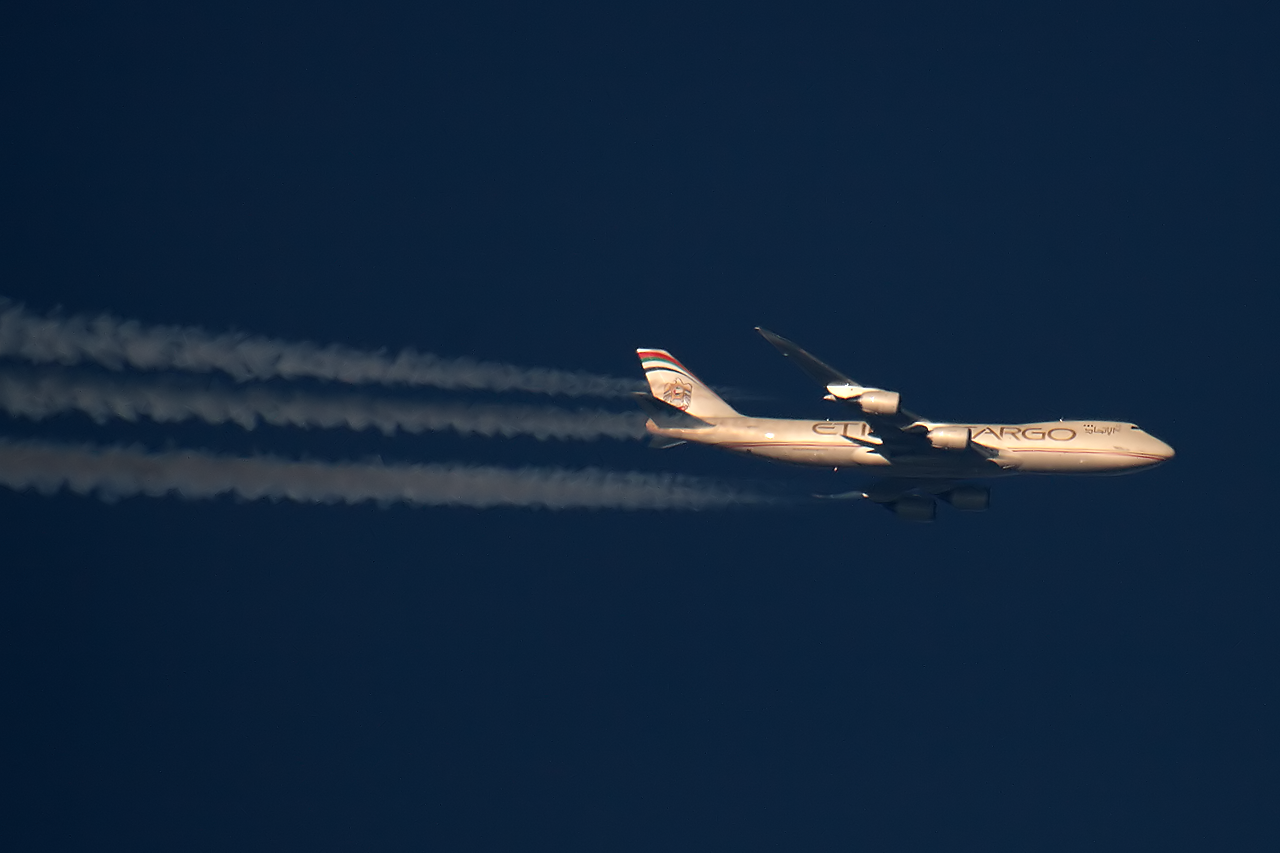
934	468
827	457
859	457
1082	461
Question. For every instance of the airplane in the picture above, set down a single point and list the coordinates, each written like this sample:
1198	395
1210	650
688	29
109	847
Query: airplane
920	460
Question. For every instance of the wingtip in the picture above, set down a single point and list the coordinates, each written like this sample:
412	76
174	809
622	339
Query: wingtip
773	337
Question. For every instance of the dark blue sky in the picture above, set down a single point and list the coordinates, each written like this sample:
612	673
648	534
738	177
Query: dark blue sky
1006	215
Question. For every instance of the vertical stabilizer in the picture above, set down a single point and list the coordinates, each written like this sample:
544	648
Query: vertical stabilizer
672	383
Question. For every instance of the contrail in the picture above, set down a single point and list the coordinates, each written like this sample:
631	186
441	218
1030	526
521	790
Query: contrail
116	343
40	394
115	472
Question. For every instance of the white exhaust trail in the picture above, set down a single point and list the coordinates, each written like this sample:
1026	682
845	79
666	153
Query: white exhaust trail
39	395
116	343
114	472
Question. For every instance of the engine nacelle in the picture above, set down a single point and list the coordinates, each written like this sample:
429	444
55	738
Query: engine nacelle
915	508
950	438
969	498
879	402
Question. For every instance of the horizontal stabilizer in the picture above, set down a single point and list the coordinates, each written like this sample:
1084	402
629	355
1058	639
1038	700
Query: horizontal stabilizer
663	442
844	496
667	416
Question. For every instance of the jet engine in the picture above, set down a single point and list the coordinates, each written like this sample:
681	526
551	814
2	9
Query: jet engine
879	402
969	498
950	438
915	508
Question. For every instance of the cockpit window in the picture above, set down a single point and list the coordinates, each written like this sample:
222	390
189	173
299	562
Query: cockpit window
1133	426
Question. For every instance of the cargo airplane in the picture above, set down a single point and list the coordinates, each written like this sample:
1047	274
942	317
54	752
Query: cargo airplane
920	460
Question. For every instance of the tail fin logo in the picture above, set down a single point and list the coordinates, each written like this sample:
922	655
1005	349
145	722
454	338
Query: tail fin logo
678	394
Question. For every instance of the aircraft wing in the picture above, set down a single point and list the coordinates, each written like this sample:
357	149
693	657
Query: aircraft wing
841	387
825	374
899	431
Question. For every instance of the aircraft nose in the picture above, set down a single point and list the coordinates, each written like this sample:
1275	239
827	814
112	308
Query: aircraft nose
1164	450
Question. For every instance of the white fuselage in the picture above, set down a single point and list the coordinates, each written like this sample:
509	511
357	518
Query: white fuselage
1054	447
